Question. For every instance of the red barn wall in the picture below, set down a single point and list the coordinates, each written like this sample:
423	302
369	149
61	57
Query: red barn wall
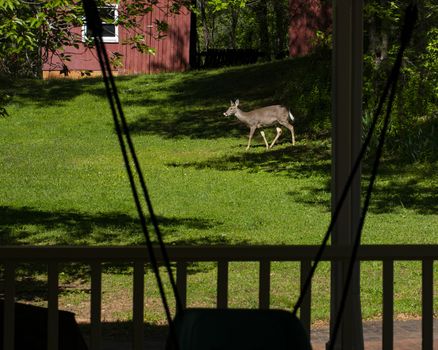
307	17
172	52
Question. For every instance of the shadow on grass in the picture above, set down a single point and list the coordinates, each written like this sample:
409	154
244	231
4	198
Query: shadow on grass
399	186
249	83
302	160
28	226
23	226
200	87
18	226
405	186
205	123
54	92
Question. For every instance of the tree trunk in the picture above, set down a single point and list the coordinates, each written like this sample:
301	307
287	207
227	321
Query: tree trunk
378	37
234	12
281	27
205	29
194	42
261	12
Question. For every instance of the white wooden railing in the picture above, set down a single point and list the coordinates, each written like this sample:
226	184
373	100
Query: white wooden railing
95	256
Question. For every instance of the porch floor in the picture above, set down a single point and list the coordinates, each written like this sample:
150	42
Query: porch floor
407	336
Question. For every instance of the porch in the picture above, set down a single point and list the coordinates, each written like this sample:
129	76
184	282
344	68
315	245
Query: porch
222	256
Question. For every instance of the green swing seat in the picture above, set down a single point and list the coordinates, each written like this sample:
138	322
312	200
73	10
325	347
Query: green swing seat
238	329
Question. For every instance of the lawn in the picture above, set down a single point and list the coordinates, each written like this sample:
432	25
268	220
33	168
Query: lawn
62	181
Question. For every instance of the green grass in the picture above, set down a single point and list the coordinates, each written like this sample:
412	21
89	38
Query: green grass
62	180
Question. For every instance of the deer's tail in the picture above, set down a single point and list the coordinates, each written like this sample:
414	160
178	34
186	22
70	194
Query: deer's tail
291	116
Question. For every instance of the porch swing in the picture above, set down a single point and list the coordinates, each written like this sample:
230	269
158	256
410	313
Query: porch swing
240	329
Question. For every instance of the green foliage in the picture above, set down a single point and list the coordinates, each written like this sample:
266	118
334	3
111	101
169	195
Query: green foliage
310	99
28	27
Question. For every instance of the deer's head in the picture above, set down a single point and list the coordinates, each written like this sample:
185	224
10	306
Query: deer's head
232	109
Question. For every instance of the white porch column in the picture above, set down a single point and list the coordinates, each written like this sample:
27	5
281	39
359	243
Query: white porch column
346	140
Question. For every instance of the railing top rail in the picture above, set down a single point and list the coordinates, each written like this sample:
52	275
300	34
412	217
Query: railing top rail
216	253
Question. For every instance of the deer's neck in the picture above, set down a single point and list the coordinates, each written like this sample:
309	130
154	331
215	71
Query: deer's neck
243	116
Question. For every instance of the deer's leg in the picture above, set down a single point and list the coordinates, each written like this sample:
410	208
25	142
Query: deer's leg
291	129
293	134
276	137
251	133
264	138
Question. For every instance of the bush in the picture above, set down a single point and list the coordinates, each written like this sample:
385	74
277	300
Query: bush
311	98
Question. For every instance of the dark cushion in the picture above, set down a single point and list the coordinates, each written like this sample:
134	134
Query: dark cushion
31	328
239	329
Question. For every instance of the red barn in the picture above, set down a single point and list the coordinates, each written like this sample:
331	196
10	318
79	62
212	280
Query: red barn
172	52
306	18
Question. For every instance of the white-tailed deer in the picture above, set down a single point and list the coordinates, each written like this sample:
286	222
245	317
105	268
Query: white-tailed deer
261	117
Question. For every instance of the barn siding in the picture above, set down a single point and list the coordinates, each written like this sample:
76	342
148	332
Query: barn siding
172	52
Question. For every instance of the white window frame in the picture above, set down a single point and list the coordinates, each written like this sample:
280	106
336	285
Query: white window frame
106	39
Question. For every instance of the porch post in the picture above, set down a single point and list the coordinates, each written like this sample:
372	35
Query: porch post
346	140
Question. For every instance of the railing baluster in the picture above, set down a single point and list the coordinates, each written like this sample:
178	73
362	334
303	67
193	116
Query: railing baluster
181	281
427	305
53	318
388	305
222	284
305	315
138	305
96	302
264	284
9	308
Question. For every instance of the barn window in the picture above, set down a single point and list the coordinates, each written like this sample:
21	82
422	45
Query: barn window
108	15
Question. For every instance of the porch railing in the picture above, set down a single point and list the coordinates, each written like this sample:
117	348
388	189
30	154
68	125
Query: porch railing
222	255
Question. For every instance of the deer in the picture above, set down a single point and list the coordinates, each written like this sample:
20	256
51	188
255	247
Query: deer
261	117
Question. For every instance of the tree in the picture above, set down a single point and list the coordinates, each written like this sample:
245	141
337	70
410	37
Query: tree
256	24
415	113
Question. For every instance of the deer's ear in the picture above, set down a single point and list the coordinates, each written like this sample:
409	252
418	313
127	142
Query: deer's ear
232	103
236	103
